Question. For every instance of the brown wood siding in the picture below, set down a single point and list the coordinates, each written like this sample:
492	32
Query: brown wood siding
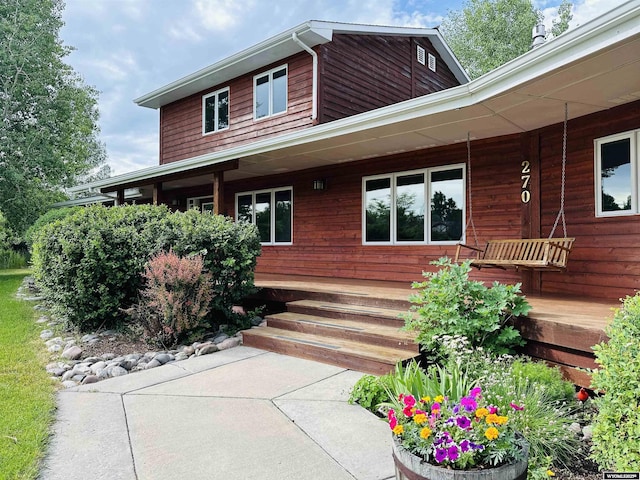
359	73
181	122
328	224
604	263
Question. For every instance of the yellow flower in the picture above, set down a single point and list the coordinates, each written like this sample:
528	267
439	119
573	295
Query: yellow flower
491	418
425	432
550	473
426	399
398	429
491	433
482	412
501	420
439	399
420	418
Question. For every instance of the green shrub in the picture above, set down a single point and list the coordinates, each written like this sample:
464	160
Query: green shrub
45	219
616	428
545	377
11	259
369	392
175	300
449	303
89	264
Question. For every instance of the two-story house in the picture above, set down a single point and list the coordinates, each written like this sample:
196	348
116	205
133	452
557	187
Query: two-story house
364	152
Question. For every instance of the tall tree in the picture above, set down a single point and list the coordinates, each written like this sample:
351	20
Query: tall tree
48	116
486	34
561	23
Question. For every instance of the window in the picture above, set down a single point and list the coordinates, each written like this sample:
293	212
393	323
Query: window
271	211
395	209
616	175
204	204
215	111
270	93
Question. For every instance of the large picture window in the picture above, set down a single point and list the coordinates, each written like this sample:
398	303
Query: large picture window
616	174
423	206
271	211
270	93
215	111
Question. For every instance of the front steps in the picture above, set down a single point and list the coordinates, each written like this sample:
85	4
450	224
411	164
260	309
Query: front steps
365	338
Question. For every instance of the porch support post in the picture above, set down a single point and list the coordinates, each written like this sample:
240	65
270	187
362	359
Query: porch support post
531	215
120	196
218	193
157	193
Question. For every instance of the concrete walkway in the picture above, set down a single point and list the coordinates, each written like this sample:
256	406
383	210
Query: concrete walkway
240	414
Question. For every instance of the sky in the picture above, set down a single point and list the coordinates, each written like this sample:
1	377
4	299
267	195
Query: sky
127	48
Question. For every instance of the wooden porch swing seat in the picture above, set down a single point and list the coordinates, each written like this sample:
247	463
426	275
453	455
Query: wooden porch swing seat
549	254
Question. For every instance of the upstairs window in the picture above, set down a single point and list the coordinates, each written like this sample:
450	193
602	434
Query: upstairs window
419	207
616	174
215	111
271	211
270	93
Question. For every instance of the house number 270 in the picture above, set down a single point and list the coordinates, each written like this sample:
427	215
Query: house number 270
525	195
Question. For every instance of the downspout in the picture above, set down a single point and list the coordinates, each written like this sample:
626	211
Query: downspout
314	55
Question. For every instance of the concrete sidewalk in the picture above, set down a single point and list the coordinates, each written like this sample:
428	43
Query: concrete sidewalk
240	414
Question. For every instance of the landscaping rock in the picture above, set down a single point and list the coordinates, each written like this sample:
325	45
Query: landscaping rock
72	353
587	433
46	334
90	379
69	384
164	358
229	343
152	364
207	349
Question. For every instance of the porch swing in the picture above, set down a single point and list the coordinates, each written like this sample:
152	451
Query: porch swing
544	254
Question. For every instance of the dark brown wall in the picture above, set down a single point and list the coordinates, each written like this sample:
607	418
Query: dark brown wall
181	122
363	72
605	261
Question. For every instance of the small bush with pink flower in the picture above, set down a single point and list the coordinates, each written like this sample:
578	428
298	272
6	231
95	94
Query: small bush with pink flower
460	434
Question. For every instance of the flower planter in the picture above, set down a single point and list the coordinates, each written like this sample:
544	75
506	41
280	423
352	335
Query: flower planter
412	467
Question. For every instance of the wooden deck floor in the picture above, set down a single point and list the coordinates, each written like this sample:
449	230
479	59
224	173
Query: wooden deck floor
559	329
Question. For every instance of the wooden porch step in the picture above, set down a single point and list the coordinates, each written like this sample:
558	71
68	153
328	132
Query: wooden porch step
370	314
357	356
371	333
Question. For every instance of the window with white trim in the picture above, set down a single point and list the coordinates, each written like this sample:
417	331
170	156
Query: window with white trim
204	204
270	93
215	111
395	209
271	211
616	174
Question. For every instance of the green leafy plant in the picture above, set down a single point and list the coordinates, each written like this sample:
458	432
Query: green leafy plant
175	300
369	392
616	427
90	264
449	303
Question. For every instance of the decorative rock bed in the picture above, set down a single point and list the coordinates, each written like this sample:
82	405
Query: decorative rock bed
74	367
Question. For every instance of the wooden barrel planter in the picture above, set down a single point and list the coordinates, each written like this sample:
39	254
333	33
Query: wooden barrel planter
412	467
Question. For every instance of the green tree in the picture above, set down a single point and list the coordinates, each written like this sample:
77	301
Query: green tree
561	24
48	116
486	34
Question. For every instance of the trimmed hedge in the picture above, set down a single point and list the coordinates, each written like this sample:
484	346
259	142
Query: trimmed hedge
90	264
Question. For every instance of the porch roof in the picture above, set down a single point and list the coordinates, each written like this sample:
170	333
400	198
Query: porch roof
592	68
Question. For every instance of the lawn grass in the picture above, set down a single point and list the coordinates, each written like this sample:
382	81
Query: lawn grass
27	399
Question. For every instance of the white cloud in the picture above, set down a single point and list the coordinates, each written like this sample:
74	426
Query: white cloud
221	15
131	151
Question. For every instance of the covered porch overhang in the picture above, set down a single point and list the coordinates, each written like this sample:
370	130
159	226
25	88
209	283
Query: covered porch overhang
592	68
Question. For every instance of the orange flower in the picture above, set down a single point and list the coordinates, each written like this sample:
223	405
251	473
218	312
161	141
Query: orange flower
491	418
398	429
425	432
501	420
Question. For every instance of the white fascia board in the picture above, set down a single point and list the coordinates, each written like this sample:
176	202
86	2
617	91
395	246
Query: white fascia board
270	50
605	31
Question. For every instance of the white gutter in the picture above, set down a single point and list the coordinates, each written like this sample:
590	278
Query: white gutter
314	55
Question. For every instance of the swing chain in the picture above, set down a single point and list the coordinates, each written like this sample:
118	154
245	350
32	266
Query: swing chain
470	221
564	167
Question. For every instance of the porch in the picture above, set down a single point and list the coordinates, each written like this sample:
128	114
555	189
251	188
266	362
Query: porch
355	324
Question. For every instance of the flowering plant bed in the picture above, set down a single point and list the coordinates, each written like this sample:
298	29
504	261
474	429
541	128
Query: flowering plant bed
462	435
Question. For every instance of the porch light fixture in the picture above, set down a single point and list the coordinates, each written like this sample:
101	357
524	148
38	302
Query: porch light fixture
319	184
